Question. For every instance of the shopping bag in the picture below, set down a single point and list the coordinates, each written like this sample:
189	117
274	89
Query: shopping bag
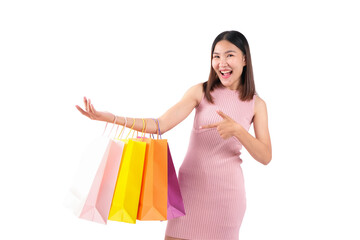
153	196
98	202
175	204
91	193
125	202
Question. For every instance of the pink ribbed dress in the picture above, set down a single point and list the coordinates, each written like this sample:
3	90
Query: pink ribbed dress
210	177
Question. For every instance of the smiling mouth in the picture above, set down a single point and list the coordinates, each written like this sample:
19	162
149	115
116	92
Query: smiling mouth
226	73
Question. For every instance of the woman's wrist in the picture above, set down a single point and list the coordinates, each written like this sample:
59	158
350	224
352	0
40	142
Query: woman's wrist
238	130
107	117
112	118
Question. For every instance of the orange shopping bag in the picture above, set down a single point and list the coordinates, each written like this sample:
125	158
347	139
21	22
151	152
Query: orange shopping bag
154	188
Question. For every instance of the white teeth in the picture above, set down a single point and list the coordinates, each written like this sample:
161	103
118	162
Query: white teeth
225	71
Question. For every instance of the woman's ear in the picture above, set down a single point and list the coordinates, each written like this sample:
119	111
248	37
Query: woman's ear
244	60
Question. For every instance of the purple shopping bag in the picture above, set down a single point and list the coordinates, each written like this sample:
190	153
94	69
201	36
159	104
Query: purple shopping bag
175	205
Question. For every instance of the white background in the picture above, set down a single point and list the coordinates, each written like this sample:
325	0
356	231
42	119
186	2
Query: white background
136	59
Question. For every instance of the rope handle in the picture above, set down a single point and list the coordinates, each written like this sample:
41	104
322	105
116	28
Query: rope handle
111	127
158	131
119	137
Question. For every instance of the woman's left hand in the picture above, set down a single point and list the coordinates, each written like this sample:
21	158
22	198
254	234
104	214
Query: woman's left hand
226	128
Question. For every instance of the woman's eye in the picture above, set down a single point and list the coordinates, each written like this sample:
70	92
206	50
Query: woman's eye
215	56
230	55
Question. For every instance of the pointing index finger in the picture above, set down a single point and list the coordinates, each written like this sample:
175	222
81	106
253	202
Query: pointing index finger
223	115
209	126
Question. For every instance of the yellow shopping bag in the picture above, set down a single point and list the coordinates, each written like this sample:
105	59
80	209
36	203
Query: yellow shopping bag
124	206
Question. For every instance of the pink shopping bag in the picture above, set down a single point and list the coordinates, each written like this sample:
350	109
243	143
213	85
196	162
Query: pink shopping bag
98	202
91	193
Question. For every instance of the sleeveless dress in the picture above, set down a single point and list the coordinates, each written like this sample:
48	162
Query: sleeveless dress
210	177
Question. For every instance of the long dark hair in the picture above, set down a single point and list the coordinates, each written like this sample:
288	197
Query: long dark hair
247	85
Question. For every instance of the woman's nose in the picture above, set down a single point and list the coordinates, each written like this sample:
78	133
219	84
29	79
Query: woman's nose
223	63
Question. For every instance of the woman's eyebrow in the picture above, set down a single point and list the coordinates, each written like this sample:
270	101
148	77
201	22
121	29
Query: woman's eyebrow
226	52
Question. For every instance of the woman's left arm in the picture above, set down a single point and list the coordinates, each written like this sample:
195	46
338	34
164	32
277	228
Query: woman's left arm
259	147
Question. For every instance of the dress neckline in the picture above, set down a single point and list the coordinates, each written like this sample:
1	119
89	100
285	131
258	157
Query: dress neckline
227	89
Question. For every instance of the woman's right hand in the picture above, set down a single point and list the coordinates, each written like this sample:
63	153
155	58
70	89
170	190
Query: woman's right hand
91	113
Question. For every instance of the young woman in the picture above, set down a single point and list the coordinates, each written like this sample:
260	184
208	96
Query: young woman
210	177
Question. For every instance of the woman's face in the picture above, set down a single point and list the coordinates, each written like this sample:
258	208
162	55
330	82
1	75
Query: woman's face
228	62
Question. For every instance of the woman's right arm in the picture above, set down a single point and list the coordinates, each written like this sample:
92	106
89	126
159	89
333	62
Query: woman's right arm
167	121
182	109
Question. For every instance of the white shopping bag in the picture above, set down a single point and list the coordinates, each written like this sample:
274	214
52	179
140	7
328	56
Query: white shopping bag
93	170
94	154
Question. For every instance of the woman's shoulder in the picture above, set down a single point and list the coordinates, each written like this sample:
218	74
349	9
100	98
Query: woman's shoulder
194	94
259	104
197	87
197	92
